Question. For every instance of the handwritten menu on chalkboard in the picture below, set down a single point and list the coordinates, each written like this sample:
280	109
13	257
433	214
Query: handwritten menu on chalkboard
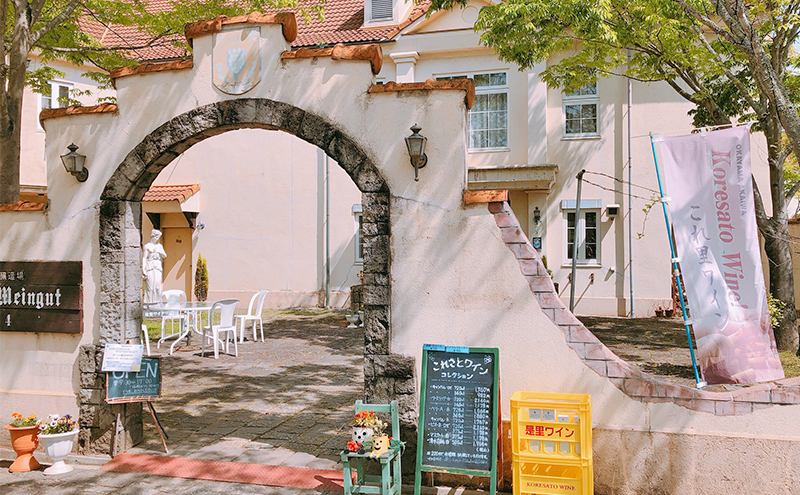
459	409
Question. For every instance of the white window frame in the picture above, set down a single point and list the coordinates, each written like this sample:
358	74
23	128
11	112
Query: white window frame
578	99
580	237
358	239
54	90
484	90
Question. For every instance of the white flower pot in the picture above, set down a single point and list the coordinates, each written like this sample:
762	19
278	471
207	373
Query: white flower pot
362	434
352	320
57	447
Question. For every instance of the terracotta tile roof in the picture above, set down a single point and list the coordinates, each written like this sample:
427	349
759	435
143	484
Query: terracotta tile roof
171	192
342	23
31	198
49	113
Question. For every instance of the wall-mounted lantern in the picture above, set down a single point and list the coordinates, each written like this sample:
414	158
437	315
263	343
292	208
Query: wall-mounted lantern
416	150
75	163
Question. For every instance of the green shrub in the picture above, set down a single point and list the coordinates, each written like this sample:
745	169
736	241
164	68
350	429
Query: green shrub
776	308
201	279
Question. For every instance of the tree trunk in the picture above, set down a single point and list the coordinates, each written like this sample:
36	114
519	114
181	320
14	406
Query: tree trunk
781	284
9	167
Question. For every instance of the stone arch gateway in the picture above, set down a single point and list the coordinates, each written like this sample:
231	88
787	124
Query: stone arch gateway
120	217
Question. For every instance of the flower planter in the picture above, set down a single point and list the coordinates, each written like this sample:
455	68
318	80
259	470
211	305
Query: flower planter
669	312
362	434
58	446
380	445
24	441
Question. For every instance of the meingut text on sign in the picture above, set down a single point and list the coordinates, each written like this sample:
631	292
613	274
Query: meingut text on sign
41	296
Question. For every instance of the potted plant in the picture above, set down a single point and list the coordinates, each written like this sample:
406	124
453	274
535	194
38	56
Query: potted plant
363	426
24	440
57	436
668	312
660	312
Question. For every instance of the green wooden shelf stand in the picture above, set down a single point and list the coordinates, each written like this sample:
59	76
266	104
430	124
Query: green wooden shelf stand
389	482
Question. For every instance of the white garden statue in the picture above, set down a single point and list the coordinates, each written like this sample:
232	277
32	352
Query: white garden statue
153	268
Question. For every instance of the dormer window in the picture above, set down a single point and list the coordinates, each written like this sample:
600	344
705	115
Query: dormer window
381	10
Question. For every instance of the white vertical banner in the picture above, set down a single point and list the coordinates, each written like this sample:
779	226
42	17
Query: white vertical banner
713	213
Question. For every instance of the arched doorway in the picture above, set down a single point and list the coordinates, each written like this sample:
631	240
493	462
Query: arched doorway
121	221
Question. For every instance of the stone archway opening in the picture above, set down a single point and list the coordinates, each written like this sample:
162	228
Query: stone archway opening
116	428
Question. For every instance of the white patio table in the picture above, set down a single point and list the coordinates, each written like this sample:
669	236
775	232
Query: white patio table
194	311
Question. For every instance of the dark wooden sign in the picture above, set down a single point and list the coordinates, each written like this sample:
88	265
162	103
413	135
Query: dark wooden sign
41	296
458	412
141	386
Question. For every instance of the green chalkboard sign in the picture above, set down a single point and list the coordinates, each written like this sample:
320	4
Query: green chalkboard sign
141	386
458	412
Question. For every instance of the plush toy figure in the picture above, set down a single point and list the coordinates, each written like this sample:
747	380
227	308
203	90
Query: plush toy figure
380	445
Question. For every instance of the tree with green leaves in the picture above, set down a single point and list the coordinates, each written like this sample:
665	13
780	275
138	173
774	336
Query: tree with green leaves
734	60
61	29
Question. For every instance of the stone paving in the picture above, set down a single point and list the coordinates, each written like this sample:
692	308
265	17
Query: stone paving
287	401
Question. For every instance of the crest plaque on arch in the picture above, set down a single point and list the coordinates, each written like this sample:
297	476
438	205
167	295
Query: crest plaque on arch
236	60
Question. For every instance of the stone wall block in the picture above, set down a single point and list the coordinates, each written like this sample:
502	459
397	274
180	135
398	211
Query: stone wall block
92	380
405	386
111	318
117	188
374	228
317	130
375	266
112	278
376	206
377	295
158	164
239	111
346	152
399	366
376	330
132	167
384	390
86	359
599	367
204	118
147	178
111	226
368	179
91	396
407	409
376	248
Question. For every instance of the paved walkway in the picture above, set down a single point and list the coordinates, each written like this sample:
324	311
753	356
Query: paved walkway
287	401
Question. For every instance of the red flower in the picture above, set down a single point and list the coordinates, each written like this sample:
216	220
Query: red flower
352	446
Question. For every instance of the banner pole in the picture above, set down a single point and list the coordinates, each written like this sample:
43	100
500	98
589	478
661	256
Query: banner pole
575	242
675	270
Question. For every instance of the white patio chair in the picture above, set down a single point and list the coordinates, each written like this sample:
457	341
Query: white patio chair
146	338
172	301
226	326
253	314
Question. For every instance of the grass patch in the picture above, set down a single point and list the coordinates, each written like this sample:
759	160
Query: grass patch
790	362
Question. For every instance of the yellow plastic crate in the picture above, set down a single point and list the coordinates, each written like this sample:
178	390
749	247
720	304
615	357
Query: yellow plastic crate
553	478
547	426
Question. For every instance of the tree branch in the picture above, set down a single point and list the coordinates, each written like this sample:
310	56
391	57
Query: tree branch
736	82
104	48
704	20
55	21
761	215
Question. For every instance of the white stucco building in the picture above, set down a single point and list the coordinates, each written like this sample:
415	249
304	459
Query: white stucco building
269	230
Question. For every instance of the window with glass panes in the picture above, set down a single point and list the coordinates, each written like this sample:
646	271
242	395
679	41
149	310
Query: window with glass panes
58	97
359	241
580	112
584	234
488	117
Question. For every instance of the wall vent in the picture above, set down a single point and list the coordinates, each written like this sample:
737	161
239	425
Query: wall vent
381	10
